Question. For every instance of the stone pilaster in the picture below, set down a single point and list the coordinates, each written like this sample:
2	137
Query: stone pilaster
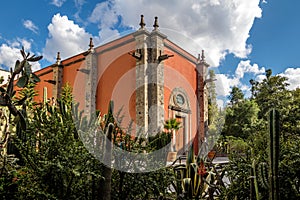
57	78
202	114
156	82
141	39
149	78
90	84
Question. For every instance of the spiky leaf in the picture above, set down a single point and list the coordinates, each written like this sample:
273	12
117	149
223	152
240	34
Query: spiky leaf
23	52
18	67
22	81
27	68
187	187
191	156
34	58
35	78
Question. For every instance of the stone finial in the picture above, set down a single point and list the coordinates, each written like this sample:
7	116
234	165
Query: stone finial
156	24
202	56
91	45
201	59
58	59
142	23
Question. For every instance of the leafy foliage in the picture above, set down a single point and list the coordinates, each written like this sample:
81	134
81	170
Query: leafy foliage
12	114
248	119
242	119
150	185
53	156
236	95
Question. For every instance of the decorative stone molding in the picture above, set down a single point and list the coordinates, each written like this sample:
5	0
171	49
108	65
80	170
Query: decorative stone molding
179	107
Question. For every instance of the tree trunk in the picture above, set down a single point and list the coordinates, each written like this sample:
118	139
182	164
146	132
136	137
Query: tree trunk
105	186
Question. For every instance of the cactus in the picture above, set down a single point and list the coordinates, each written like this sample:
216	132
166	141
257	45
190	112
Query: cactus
255	184
267	173
274	154
263	175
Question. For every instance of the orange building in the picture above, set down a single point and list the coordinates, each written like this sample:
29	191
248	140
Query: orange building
151	78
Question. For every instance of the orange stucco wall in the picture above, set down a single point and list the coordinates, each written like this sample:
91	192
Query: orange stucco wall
180	72
116	80
71	66
44	74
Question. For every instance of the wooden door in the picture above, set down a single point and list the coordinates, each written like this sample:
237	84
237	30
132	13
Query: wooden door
180	135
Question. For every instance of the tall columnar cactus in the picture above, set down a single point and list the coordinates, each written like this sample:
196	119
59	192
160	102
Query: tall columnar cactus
267	173
263	175
274	154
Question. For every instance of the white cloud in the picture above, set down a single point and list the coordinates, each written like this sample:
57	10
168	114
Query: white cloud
105	15
8	56
10	52
58	3
245	67
220	103
225	82
65	37
5	75
260	77
293	75
79	3
30	25
219	27
107	35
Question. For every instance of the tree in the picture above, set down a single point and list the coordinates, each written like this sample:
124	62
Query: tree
272	92
236	95
216	117
212	99
241	116
253	87
172	125
291	113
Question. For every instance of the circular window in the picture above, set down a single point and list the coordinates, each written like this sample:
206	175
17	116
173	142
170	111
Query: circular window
179	99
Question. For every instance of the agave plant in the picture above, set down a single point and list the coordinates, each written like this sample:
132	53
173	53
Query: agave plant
195	177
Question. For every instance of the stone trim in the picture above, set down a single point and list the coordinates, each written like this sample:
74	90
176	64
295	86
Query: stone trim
116	46
180	53
179	109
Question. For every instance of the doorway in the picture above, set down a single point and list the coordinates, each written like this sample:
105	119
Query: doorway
180	136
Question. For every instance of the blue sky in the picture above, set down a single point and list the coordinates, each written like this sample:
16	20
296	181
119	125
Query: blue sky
241	38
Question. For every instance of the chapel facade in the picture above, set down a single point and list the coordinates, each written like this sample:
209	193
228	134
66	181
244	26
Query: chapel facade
151	78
